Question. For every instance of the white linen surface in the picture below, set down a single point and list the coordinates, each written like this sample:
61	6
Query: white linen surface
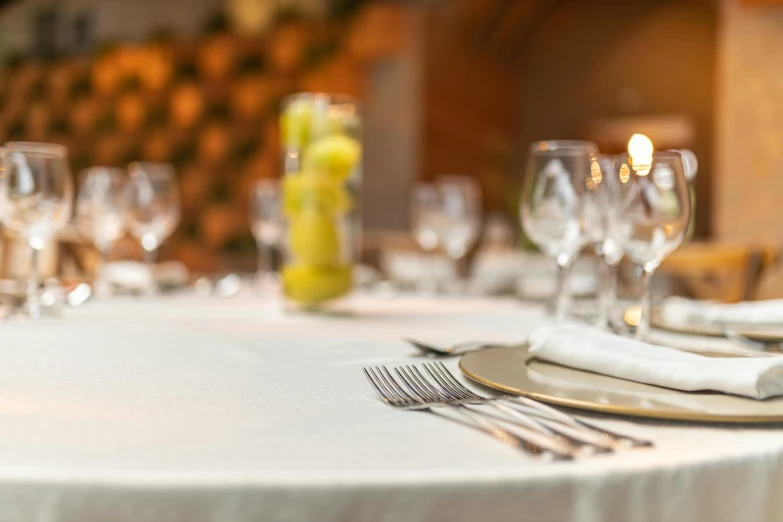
588	348
678	310
191	409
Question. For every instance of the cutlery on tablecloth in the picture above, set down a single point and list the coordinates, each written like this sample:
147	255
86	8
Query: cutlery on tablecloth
454	349
535	408
415	395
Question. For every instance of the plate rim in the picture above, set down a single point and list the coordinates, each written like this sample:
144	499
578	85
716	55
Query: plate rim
611	408
711	330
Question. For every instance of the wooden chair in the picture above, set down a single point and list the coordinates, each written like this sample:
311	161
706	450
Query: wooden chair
717	271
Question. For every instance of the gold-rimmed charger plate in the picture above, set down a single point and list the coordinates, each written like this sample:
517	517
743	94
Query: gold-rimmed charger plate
755	332
512	370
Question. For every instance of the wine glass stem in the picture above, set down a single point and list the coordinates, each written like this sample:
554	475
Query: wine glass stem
426	275
608	291
33	306
101	285
643	329
150	256
264	258
562	296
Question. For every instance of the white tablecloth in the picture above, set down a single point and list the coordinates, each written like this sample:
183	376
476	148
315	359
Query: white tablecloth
200	409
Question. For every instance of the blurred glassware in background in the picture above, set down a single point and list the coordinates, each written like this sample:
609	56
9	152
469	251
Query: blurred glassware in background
264	217
3	186
40	192
459	201
101	213
602	211
153	208
655	215
426	225
3	204
551	209
691	165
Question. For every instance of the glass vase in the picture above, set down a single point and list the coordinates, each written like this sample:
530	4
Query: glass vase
321	180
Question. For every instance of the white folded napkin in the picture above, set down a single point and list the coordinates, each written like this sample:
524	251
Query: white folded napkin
676	310
588	348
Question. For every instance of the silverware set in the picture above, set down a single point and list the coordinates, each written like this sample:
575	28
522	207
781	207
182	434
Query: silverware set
537	428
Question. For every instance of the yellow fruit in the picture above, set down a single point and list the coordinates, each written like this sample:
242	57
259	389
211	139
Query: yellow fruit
309	192
336	156
314	239
295	123
311	285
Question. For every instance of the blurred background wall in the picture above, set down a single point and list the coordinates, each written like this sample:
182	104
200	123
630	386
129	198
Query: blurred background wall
455	87
749	152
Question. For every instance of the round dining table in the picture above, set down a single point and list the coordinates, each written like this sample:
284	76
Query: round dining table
187	408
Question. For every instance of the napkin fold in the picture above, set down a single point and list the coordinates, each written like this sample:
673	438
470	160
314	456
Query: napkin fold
677	310
588	348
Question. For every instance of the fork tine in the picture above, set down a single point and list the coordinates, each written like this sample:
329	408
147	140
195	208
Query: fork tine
422	391
433	371
392	387
434	389
398	390
388	392
374	385
450	376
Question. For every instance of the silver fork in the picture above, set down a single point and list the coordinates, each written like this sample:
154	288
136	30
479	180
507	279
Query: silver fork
413	379
454	391
410	398
533	407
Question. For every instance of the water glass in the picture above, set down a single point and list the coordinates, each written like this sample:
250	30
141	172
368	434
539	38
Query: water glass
264	217
153	208
460	208
551	209
39	201
101	212
656	212
426	228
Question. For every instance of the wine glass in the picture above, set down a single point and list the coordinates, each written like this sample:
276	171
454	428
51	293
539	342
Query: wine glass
3	200
656	212
460	203
153	208
426	225
264	217
551	209
3	185
102	211
601	209
39	195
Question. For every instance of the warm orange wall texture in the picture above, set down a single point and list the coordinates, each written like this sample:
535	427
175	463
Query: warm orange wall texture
749	154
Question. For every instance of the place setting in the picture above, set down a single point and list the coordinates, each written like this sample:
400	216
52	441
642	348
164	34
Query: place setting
377	261
637	206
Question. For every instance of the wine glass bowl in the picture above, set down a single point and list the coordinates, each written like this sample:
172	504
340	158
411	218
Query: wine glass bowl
656	209
102	212
153	206
460	207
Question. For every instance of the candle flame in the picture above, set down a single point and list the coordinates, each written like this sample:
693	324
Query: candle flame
595	171
640	149
625	173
